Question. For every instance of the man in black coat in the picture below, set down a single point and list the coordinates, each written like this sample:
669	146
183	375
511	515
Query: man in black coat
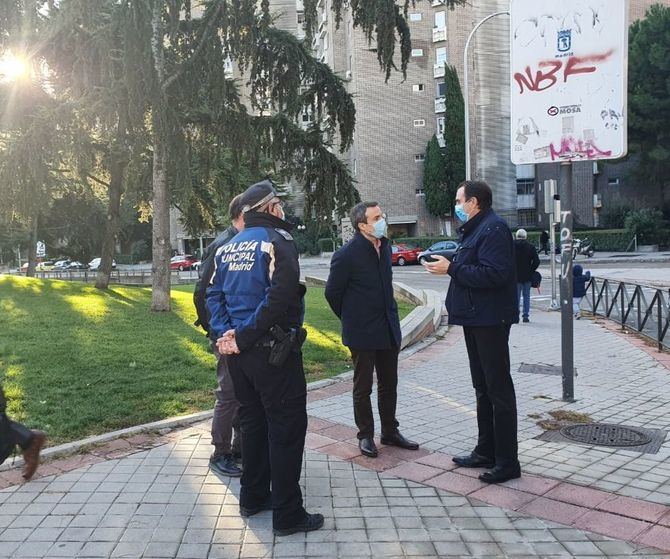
360	292
482	298
527	261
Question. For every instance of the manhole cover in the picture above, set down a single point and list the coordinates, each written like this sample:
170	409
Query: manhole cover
604	434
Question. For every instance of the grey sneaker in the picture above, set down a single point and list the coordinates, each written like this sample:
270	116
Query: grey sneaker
225	465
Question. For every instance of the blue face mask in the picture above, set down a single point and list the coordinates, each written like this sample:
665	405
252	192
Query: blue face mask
379	229
460	213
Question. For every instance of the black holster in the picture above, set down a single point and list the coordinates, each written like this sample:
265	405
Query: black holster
285	343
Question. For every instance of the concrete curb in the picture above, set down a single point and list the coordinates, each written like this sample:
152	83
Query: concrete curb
421	322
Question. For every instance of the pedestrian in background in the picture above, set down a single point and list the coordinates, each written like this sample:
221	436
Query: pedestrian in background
544	242
579	281
527	261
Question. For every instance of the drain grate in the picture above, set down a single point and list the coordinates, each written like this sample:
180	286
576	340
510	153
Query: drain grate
605	434
638	439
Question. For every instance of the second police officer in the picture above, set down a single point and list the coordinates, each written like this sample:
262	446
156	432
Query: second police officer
256	306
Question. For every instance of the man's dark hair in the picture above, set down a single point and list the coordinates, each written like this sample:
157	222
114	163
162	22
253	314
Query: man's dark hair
479	190
235	207
357	214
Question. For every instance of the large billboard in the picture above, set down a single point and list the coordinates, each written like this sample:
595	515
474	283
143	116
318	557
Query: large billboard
568	80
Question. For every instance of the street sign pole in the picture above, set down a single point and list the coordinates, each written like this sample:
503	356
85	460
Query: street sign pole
567	333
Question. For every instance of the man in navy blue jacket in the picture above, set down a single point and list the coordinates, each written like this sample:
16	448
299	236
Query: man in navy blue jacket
360	292
482	298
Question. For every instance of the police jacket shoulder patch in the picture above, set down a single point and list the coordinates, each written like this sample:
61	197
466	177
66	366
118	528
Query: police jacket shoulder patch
284	233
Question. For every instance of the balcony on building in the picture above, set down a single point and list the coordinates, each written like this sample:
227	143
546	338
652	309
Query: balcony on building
440	105
439	34
438	70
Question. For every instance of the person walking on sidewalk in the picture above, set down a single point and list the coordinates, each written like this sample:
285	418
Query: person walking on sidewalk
13	434
225	422
482	298
360	292
544	242
527	261
579	281
256	304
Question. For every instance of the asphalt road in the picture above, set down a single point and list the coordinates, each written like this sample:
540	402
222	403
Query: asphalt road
416	276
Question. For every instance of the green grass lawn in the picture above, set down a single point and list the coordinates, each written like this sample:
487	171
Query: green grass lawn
77	361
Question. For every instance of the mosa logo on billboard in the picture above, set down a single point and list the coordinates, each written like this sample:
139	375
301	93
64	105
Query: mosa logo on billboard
568	80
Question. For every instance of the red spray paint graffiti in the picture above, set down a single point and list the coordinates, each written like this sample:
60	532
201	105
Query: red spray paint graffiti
548	71
576	149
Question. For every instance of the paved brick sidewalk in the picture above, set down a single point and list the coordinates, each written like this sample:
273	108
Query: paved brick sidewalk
153	496
164	502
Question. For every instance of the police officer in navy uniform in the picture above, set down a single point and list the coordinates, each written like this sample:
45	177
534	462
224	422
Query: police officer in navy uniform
255	289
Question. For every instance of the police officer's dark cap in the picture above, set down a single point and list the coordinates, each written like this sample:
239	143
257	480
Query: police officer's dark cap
258	195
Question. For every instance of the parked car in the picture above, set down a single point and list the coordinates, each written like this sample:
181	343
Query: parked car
61	265
45	266
441	248
76	265
183	262
94	265
403	254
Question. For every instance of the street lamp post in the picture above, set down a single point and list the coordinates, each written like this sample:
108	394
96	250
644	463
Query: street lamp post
468	168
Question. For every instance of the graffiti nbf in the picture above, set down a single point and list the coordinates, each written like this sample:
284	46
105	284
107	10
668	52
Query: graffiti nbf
564	40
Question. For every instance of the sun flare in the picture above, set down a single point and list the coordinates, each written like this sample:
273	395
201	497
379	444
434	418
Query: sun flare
12	67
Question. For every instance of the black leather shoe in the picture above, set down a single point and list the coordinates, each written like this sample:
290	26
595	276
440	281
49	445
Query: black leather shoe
250	511
312	522
396	439
500	474
368	447
474	460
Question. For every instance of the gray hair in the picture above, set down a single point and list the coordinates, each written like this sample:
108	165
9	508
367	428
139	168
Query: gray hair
357	214
521	234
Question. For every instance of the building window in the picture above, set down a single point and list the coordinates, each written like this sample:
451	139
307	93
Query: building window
301	20
415	17
355	167
440	126
527	218
419	122
525	187
440	19
419	192
613	181
419	157
440	89
440	56
416	53
417	88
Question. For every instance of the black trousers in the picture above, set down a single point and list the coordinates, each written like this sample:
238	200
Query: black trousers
385	361
273	422
18	434
488	352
